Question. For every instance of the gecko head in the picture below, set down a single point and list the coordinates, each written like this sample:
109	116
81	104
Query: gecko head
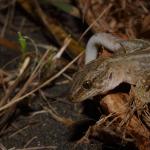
92	80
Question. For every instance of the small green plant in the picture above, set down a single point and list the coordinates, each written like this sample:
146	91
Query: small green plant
23	42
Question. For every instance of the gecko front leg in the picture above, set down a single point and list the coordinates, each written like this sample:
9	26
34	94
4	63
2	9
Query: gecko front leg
142	99
142	89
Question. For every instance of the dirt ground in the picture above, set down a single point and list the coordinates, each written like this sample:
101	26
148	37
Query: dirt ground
41	130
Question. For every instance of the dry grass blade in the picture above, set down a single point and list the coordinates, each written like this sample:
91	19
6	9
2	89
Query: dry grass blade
66	43
39	148
30	141
19	131
2	147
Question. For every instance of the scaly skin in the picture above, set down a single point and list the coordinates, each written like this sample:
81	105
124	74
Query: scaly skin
104	74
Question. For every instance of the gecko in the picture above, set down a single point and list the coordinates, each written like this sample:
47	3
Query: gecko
130	63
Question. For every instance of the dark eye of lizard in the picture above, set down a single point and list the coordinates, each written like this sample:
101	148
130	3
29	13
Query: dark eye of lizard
87	84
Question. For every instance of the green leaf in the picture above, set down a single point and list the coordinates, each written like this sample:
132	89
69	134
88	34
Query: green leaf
22	42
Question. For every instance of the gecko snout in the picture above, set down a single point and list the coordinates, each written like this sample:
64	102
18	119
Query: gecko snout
70	97
73	98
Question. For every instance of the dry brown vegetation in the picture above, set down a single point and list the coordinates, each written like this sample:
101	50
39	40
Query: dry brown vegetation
50	49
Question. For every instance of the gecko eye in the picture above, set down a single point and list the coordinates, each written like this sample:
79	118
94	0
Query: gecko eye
87	84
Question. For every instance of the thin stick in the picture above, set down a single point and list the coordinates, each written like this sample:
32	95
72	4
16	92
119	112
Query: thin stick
39	148
100	16
60	52
19	131
2	147
30	141
58	118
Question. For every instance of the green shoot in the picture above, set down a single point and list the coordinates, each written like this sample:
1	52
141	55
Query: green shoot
22	42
